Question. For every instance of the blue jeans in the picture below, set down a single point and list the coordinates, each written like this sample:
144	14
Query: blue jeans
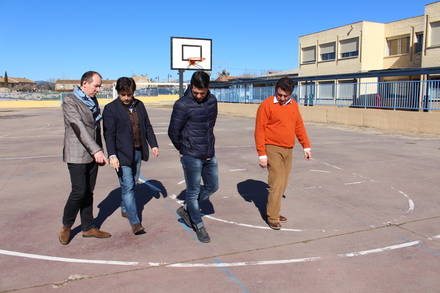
195	170
128	176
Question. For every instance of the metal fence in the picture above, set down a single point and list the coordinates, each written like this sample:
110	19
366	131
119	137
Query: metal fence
243	94
47	96
156	91
396	95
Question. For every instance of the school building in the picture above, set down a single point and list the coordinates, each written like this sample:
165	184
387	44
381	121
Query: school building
402	50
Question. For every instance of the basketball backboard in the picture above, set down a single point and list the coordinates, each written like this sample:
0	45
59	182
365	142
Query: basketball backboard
191	54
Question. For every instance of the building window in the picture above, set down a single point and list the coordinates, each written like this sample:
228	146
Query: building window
349	48
419	42
326	90
327	51
435	33
309	55
398	46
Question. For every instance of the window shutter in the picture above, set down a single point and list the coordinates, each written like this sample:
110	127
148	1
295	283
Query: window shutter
350	45
327	48
326	90
435	33
308	54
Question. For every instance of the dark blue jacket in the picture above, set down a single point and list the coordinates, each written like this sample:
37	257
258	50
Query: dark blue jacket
118	132
191	128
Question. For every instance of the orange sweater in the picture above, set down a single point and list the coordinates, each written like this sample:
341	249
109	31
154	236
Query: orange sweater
279	125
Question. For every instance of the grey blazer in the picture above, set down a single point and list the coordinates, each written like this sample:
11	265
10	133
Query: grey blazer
82	138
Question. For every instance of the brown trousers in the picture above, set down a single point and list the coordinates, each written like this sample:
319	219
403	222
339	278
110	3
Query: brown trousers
279	166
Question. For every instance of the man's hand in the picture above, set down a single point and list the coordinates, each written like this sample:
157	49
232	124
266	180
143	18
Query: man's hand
100	158
307	154
114	163
155	151
262	162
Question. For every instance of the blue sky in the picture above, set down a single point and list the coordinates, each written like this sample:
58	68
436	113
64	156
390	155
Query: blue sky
62	39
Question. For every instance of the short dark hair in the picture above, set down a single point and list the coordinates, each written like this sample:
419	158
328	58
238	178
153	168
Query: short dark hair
286	84
200	79
88	77
126	85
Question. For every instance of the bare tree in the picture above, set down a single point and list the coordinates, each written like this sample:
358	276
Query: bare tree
222	74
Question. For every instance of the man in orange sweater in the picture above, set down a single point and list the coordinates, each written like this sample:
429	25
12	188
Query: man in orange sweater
277	124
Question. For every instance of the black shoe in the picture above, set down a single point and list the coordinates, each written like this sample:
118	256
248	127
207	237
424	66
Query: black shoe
185	216
202	235
275	226
138	229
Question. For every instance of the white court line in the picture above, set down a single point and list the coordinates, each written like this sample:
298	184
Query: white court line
321	171
351	183
145	181
410	201
333	166
313	187
63	259
236	170
250	226
173	196
378	250
232	264
181	182
244	263
26	158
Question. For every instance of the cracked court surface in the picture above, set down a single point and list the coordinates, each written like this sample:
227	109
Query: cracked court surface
363	216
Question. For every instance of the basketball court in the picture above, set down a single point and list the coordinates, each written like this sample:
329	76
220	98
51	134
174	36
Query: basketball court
363	216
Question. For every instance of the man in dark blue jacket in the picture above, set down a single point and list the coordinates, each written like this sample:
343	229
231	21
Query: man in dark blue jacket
191	130
128	133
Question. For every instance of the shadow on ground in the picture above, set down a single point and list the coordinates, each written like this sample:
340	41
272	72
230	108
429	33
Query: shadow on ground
205	206
255	191
144	193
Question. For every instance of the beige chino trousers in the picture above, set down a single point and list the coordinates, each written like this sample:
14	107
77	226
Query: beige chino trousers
279	166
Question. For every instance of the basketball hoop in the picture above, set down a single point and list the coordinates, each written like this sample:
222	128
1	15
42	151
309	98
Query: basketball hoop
194	61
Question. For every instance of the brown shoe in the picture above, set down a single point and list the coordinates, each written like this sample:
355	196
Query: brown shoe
283	219
64	236
137	229
275	226
96	233
124	215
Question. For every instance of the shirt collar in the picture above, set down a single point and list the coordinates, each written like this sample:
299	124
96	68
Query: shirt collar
275	101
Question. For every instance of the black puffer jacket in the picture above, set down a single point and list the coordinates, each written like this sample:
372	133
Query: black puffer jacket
192	123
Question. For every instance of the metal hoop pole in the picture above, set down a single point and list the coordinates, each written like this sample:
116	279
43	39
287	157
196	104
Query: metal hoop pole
181	82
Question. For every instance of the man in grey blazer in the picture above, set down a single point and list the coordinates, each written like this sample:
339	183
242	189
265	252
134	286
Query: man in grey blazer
82	152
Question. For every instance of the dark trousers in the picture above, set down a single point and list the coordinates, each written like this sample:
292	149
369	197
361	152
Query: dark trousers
83	179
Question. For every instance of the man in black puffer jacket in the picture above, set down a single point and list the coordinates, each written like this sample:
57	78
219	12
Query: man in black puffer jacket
192	132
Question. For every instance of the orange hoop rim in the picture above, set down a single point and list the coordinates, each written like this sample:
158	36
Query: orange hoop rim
194	60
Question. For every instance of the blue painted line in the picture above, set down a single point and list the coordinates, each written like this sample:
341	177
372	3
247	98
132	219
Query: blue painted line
232	277
149	184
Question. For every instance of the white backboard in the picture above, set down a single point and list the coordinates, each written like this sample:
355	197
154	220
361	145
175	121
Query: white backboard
184	48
